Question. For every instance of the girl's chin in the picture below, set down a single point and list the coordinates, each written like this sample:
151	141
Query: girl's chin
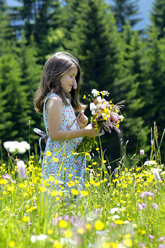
67	91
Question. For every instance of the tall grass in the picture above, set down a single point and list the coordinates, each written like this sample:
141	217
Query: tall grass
114	210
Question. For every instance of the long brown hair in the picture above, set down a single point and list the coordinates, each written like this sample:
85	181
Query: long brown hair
54	68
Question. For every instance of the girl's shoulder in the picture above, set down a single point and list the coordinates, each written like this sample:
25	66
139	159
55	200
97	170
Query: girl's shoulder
52	99
52	96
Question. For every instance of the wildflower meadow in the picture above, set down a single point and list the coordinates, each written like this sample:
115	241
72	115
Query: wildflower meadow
121	204
115	209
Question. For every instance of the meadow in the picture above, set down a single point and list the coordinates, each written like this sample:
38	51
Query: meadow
119	209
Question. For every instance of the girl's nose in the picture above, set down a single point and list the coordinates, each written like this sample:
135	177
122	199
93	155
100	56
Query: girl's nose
74	85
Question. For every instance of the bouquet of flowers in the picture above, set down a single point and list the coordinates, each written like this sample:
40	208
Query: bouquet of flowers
105	116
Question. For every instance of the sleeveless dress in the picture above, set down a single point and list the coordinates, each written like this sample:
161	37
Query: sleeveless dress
59	160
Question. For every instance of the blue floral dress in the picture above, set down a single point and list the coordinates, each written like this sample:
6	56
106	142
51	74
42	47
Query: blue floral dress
58	160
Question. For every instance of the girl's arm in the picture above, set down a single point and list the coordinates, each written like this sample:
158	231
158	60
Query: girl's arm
54	109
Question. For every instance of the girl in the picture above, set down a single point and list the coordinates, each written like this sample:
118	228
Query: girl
58	99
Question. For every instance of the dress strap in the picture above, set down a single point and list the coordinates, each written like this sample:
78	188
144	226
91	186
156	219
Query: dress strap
43	136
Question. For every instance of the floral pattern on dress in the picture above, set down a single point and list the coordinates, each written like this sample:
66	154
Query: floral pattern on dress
62	164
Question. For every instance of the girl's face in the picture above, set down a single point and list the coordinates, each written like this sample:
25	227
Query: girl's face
68	79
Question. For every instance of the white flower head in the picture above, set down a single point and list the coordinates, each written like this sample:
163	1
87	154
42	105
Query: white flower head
11	146
141	152
33	238
92	106
113	210
115	217
40	237
93	112
151	162
15	146
25	145
98	99
103	114
156	173
95	92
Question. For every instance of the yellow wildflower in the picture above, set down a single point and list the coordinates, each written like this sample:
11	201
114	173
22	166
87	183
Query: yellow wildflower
21	185
63	223
31	209
42	189
10	188
11	244
110	245
55	159
84	193
26	219
74	192
97	184
50	231
68	234
81	230
3	181
57	244
48	153
119	222
51	178
128	242
99	225
88	226
127	236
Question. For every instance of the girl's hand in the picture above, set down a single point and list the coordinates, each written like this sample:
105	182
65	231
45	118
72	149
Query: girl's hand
91	131
82	120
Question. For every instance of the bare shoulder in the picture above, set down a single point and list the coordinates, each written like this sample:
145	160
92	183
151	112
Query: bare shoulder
54	102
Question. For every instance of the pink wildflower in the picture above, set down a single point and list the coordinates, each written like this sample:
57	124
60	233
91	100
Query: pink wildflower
145	194
154	205
141	205
21	169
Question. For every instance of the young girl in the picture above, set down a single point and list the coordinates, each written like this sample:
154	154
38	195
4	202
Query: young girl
58	99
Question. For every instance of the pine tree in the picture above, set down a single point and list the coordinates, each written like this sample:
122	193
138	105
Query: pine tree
6	30
53	39
30	77
155	74
125	10
12	96
14	119
34	18
95	41
55	14
70	15
158	16
132	87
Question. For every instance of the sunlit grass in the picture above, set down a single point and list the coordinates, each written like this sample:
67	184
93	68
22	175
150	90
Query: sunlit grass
122	210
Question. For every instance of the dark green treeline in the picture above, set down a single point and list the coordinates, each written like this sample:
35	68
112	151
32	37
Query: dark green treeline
114	57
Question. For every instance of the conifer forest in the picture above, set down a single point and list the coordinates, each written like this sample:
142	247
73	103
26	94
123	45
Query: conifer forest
115	57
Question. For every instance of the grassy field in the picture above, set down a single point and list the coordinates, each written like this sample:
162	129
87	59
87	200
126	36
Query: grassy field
114	210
